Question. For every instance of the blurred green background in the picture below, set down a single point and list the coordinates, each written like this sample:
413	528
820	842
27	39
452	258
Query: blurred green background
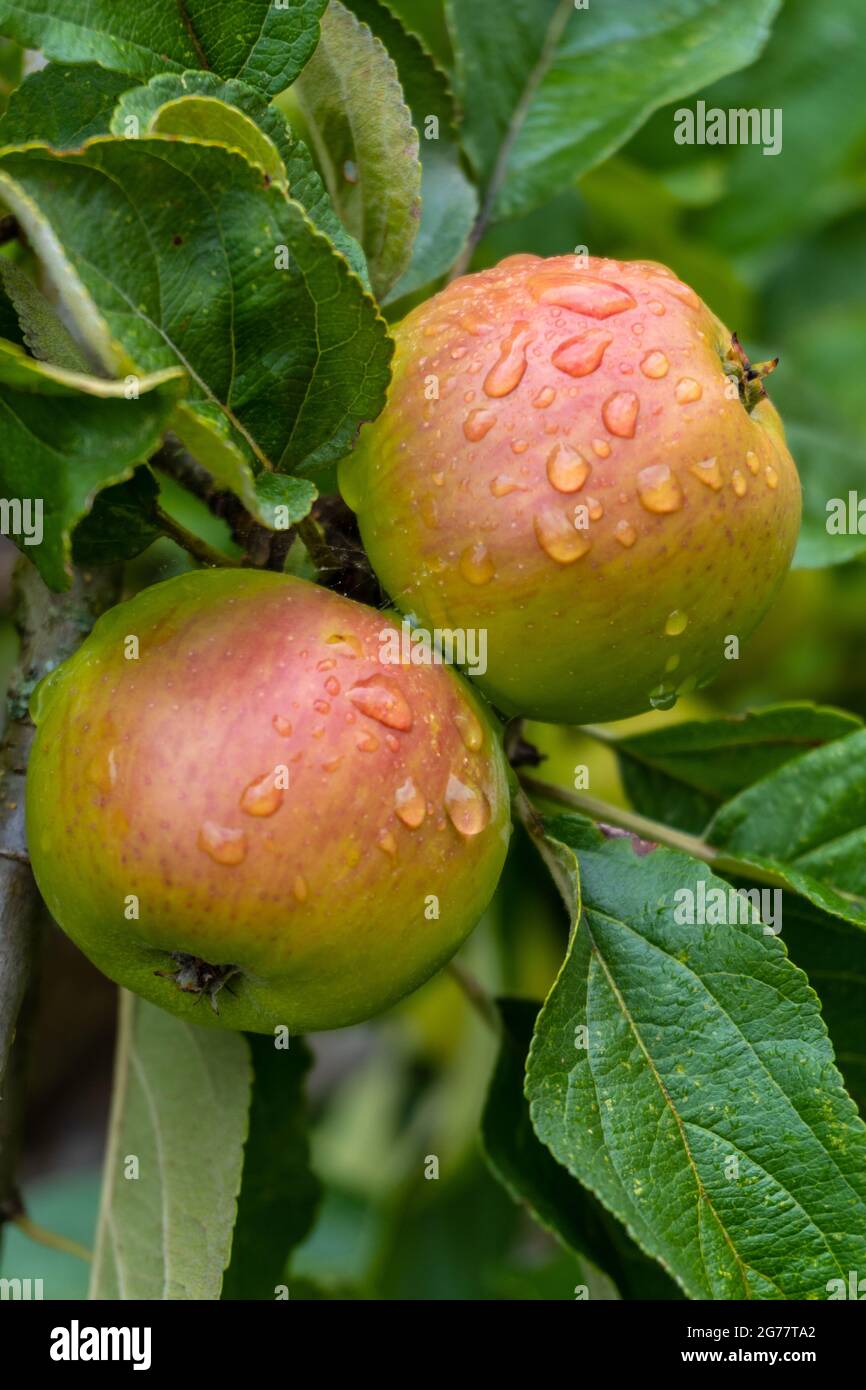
777	246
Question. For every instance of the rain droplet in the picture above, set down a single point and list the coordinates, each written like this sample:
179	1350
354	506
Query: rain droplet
655	365
225	846
583	355
299	888
381	699
771	476
620	413
327	665
559	538
478	327
581	293
262	797
708	472
656	307
676	623
545	397
332	685
102	771
467	807
321	707
477	424
387	842
752	462
596	510
601	448
567	469
476	565
738	482
688	390
663	697
502	485
470	729
282	725
625	534
507	374
659	489
519	446
672	662
367	743
409	804
349	646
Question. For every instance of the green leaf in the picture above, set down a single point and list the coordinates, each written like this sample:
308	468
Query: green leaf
534	1178
62	106
285	354
241	118
40	327
367	147
65	437
449	202
813	73
180	1109
11	70
264	45
702	1106
279	1194
807	823
121	523
549	91
283	502
683	773
833	955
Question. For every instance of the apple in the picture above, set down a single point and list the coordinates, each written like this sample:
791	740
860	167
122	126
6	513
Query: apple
240	810
577	459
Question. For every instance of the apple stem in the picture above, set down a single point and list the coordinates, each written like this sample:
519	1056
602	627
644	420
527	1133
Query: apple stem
476	994
647	830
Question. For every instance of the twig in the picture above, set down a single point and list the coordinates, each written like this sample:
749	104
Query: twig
51	1239
50	627
193	544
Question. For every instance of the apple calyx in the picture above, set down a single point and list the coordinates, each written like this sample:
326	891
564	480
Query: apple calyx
749	376
196	976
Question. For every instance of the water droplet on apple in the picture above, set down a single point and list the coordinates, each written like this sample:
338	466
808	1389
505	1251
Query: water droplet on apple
224	845
559	538
467	807
708	472
688	390
676	623
583	355
476	566
738	482
567	469
381	699
409	804
655	365
771	476
581	293
262	797
620	413
508	372
625	533
477	424
658	489
470	729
